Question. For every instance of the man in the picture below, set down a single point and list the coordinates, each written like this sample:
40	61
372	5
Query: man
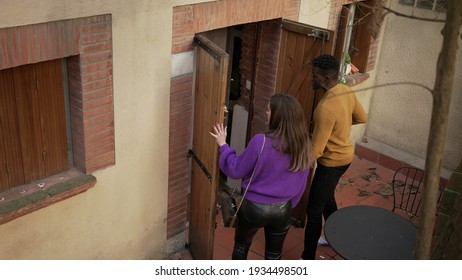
333	117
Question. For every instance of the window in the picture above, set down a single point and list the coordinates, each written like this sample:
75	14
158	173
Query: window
353	39
33	131
434	5
37	142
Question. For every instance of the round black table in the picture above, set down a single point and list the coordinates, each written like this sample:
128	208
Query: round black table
370	233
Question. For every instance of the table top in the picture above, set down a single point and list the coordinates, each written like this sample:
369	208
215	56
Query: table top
370	233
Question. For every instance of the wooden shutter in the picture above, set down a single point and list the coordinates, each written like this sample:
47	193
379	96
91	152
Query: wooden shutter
341	33
33	139
362	39
11	169
52	116
29	123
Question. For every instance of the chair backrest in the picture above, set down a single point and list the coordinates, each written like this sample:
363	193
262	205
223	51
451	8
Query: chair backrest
407	185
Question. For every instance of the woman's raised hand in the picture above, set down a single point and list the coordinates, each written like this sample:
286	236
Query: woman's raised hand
219	133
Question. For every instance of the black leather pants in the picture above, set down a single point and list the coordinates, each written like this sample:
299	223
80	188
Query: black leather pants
274	218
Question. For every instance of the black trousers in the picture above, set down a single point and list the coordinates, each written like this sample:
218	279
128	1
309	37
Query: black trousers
321	202
275	218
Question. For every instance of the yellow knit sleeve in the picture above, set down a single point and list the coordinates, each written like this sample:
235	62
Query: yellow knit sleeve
324	123
359	115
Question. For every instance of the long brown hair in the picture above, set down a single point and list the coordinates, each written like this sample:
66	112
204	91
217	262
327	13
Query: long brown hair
288	126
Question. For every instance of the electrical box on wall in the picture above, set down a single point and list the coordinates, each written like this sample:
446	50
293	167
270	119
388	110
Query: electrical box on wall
248	84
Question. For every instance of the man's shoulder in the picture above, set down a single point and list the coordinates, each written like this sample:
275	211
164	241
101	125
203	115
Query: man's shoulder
341	88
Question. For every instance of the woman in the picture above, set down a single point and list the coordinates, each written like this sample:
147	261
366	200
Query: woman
280	175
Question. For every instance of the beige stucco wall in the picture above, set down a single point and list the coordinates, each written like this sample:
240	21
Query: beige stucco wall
315	12
400	115
124	215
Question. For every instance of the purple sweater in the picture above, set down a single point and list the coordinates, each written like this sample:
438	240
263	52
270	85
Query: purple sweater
272	181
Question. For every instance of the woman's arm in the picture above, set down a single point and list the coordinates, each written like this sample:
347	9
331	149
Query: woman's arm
234	166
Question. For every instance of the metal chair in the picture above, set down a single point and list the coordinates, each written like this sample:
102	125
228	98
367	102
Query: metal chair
407	185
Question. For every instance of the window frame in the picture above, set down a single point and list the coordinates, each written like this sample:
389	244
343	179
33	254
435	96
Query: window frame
37	131
419	5
363	39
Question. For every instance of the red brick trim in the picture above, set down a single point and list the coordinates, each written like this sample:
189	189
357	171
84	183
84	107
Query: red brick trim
181	104
191	19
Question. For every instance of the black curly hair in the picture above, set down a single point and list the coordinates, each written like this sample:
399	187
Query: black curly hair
327	63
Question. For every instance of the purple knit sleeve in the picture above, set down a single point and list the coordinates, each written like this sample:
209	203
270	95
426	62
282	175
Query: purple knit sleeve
239	166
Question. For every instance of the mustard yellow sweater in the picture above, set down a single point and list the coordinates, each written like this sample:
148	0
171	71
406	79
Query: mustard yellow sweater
336	112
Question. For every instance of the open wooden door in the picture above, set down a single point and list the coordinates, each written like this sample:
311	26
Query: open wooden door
210	85
300	43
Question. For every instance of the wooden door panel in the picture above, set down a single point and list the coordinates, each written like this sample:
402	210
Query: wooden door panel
201	222
52	116
13	163
33	134
288	60
301	43
29	121
210	84
4	90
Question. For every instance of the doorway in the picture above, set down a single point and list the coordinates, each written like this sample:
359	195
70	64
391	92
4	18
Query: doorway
266	57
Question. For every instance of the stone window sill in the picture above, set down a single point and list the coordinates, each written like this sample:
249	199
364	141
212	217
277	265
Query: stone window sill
25	199
355	79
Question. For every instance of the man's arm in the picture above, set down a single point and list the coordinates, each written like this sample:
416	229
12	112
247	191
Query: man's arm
359	115
323	125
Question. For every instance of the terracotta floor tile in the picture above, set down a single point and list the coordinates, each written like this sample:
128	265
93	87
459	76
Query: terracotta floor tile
327	250
253	255
258	244
221	252
293	254
320	255
354	191
292	241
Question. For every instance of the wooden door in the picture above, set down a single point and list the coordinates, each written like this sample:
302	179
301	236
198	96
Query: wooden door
301	43
210	85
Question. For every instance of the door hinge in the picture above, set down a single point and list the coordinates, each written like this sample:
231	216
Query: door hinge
191	154
321	34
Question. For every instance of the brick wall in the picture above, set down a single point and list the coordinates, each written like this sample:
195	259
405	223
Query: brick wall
266	70
191	19
180	141
247	61
87	44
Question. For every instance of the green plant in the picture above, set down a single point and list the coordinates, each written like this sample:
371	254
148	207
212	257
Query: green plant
347	59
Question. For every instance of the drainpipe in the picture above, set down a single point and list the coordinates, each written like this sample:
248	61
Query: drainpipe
252	88
346	43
